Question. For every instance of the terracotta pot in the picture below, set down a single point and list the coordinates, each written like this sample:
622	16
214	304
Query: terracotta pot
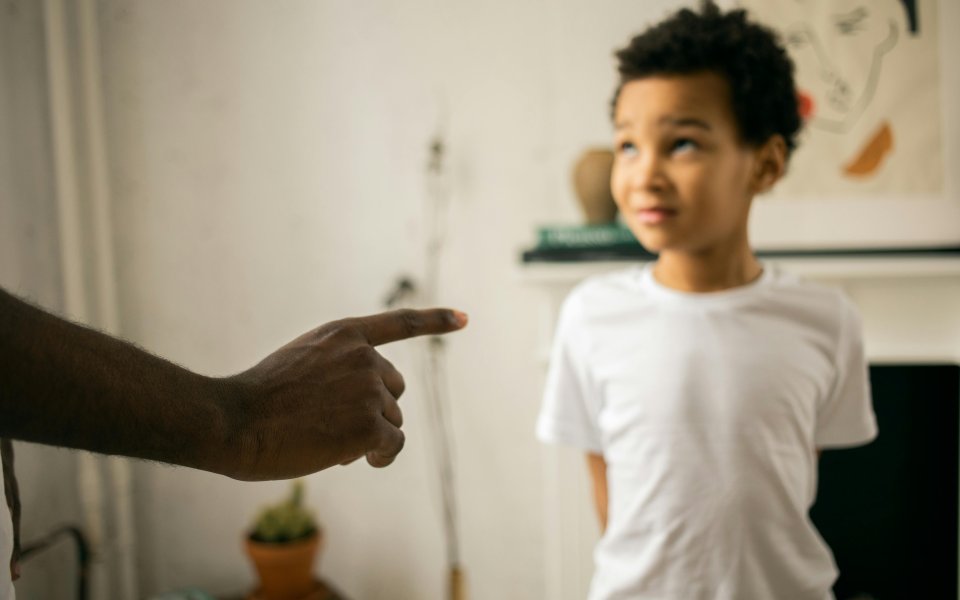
591	181
285	570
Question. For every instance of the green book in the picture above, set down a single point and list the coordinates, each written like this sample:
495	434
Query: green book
584	236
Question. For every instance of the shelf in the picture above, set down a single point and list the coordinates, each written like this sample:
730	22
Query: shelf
842	267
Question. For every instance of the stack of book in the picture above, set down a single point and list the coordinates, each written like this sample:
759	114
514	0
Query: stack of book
570	243
613	241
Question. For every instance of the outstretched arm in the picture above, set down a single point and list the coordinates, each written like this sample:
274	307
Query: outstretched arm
326	398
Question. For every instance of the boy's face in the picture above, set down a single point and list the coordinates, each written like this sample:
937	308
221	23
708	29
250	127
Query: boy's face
682	178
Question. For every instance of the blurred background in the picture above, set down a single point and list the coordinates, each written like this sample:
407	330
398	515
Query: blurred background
210	179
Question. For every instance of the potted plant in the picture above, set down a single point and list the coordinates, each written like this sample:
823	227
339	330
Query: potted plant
283	543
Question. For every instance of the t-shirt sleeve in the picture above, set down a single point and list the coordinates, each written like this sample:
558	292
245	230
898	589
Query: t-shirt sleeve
568	414
846	416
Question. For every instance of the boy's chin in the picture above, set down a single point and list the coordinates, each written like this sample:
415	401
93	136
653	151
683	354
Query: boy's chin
651	243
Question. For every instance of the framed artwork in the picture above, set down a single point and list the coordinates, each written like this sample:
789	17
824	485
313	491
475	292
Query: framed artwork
878	164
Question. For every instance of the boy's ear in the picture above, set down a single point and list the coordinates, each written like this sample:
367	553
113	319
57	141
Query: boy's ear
771	164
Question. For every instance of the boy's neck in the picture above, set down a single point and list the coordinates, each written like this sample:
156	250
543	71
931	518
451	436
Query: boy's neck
711	270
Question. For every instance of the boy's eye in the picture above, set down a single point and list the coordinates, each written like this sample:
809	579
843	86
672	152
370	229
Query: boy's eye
626	148
683	145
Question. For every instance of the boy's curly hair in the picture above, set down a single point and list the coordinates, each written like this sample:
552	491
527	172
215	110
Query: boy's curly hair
748	55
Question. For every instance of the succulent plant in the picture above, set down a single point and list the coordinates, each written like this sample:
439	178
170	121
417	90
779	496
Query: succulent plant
286	522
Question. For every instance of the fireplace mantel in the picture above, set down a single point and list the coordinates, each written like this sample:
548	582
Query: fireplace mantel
910	303
852	268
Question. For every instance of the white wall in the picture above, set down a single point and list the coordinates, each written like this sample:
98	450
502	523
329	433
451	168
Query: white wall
30	267
268	165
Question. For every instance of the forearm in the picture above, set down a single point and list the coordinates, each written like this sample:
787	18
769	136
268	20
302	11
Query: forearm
598	477
67	385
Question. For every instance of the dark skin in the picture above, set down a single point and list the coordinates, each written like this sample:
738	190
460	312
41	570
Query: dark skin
326	398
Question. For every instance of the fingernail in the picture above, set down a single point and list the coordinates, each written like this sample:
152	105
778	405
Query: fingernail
461	317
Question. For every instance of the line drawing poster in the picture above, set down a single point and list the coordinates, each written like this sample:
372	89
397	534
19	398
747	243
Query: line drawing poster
868	80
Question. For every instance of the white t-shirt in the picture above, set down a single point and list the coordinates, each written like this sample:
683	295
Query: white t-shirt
6	546
708	410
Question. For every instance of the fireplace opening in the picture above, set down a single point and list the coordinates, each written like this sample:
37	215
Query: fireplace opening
889	510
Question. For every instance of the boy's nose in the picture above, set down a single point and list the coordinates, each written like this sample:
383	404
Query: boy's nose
646	173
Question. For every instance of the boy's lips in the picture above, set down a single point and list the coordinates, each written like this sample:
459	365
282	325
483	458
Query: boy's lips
655	215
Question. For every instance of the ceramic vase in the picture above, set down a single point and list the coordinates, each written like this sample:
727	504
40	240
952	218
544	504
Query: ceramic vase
591	181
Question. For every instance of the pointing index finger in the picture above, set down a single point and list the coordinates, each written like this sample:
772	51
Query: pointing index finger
406	323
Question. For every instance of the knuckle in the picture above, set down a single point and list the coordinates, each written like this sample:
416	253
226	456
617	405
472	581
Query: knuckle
373	388
369	422
366	390
412	320
378	461
392	412
387	450
340	331
330	328
365	356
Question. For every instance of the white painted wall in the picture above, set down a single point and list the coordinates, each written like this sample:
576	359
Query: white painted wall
268	165
30	267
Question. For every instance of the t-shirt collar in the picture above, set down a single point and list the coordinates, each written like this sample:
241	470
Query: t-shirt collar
649	284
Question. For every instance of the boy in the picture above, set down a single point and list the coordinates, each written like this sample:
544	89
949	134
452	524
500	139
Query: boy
704	386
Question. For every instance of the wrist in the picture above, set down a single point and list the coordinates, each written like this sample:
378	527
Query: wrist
233	447
221	447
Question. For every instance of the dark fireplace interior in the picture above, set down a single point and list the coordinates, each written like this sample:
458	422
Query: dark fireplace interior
889	510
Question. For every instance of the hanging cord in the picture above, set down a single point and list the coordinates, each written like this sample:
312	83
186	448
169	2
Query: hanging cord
436	363
433	357
82	549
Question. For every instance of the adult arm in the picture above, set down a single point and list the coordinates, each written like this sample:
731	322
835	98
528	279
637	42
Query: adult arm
598	476
326	398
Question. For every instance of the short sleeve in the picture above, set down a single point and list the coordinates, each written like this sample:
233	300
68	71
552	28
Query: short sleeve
568	415
846	416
